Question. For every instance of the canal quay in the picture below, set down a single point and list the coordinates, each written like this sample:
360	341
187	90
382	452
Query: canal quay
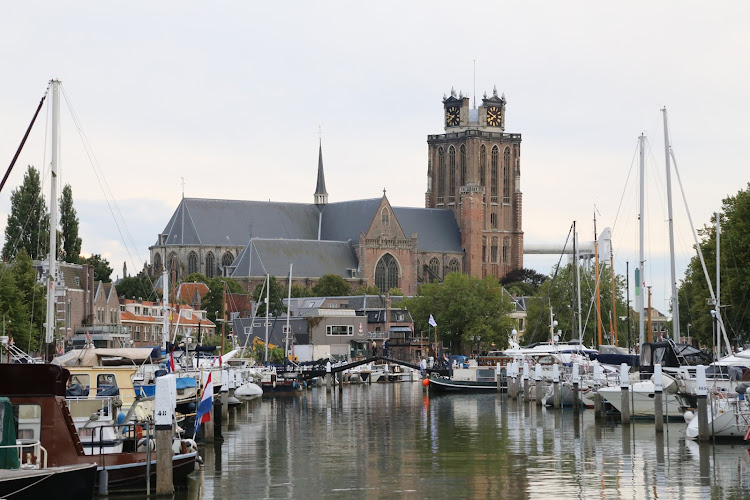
397	441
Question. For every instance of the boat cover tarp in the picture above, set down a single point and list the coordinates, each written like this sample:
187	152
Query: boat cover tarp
93	356
616	359
8	456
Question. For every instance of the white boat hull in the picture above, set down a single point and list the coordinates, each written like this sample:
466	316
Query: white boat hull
641	398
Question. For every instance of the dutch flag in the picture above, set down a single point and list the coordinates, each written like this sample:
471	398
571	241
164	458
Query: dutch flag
203	413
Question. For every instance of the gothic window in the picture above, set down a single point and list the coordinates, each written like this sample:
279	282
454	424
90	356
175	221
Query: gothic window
173	267
386	273
462	163
493	221
441	174
484	249
493	251
435	269
227	259
452	171
493	174
506	175
210	265
453	266
506	250
385	217
482	166
192	263
157	263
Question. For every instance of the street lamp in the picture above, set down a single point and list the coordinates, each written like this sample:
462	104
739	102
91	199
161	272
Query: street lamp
479	349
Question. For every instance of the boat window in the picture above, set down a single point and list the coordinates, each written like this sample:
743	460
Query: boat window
28	420
105	380
338	330
81	379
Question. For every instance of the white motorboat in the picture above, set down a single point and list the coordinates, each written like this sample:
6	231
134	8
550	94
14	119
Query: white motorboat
642	398
728	417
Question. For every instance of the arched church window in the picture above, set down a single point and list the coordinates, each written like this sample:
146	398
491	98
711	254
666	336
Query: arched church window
506	250
484	249
462	163
210	265
482	166
192	263
386	273
157	263
493	251
434	269
506	175
453	266
493	174
385	217
227	259
441	174
452	171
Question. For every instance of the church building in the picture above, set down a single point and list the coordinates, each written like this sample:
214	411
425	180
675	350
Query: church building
471	222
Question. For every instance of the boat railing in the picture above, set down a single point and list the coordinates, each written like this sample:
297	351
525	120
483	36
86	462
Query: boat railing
89	406
31	454
100	437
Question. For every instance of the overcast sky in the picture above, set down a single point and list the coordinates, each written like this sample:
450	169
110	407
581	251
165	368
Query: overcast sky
230	96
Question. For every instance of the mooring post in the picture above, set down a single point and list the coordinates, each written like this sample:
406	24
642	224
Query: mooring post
701	390
329	380
538	384
625	394
658	403
556	385
576	378
341	381
224	394
497	377
526	389
165	401
513	374
598	412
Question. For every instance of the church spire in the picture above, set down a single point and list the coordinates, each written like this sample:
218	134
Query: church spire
321	196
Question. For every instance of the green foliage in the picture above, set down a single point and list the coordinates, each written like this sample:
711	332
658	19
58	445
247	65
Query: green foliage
22	302
275	298
366	290
560	295
70	246
694	294
213	302
523	282
301	291
102	271
331	285
28	222
395	291
462	306
140	285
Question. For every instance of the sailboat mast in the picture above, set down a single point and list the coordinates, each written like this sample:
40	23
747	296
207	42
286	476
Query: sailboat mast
288	313
598	295
675	302
51	275
165	303
268	290
718	285
578	280
639	281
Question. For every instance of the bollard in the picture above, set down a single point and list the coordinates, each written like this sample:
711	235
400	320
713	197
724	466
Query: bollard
658	404
538	384
576	378
556	385
701	389
625	395
329	380
497	377
341	381
598	410
526	389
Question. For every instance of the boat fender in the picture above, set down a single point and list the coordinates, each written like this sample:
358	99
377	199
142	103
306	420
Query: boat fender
138	433
294	384
688	416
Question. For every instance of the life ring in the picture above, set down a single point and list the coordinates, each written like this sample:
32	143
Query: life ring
138	432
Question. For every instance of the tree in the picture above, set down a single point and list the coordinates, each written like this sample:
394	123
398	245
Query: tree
28	222
213	301
523	282
559	294
71	242
140	285
301	291
102	271
395	291
734	263
275	298
33	294
366	290
331	285
464	306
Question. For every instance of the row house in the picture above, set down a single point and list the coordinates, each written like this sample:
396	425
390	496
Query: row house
145	321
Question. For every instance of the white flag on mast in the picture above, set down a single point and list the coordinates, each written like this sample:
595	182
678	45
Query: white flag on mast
432	321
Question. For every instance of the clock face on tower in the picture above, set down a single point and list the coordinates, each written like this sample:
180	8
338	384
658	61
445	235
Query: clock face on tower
493	116
452	115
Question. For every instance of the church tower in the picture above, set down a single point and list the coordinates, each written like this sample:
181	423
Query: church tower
321	195
474	170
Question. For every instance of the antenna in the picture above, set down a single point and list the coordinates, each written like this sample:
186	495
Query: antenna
475	83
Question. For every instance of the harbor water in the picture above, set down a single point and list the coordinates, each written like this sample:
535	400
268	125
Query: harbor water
396	441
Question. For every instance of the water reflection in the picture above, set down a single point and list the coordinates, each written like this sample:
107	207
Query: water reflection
393	440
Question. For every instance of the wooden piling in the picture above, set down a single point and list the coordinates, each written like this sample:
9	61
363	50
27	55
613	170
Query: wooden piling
625	395
164	478
538	384
658	401
576	378
701	389
556	385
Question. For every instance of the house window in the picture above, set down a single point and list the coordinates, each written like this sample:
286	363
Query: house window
138	310
339	330
386	273
137	333
286	330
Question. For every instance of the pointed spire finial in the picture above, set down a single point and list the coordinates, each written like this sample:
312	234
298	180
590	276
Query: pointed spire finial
383	192
485	94
502	96
460	94
321	195
494	90
453	92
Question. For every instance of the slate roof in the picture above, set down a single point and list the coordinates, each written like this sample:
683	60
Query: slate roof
311	258
436	228
200	221
344	221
